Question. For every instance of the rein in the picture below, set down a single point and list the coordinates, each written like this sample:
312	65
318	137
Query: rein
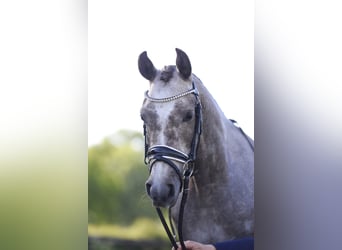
168	155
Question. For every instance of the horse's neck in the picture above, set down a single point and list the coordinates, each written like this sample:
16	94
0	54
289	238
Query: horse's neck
223	180
212	153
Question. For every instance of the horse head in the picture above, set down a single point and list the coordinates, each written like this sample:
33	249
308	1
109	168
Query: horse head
169	117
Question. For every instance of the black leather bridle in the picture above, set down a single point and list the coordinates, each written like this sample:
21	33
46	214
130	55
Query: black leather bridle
170	155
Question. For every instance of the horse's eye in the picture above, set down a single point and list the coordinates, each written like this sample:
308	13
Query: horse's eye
188	116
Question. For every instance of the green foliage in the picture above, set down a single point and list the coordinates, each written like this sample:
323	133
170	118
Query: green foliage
116	177
142	228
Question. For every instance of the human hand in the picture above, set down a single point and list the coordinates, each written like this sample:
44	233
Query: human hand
192	245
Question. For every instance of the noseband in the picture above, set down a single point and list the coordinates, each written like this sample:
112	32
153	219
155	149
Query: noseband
170	155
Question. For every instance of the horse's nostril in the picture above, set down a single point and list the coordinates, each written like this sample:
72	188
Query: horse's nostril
148	188
171	190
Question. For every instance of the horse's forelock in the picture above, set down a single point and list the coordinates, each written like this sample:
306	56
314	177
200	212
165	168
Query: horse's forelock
167	73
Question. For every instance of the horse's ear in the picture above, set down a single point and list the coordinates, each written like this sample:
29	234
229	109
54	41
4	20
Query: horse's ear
183	64
146	67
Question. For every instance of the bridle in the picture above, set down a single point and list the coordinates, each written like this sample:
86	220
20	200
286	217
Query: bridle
170	155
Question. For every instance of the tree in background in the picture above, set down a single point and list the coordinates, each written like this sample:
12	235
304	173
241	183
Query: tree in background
116	177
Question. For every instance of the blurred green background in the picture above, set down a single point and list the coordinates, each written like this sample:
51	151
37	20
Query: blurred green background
118	207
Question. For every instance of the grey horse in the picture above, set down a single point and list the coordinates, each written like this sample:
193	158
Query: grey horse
220	203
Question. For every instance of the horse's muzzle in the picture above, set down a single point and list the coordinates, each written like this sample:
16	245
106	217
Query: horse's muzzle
162	195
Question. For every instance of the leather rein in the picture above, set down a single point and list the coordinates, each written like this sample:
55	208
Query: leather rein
169	155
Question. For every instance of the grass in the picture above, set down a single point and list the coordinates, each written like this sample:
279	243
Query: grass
142	228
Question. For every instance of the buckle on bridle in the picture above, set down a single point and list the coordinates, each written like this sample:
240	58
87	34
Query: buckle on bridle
189	169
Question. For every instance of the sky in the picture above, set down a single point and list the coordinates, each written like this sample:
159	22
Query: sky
218	37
